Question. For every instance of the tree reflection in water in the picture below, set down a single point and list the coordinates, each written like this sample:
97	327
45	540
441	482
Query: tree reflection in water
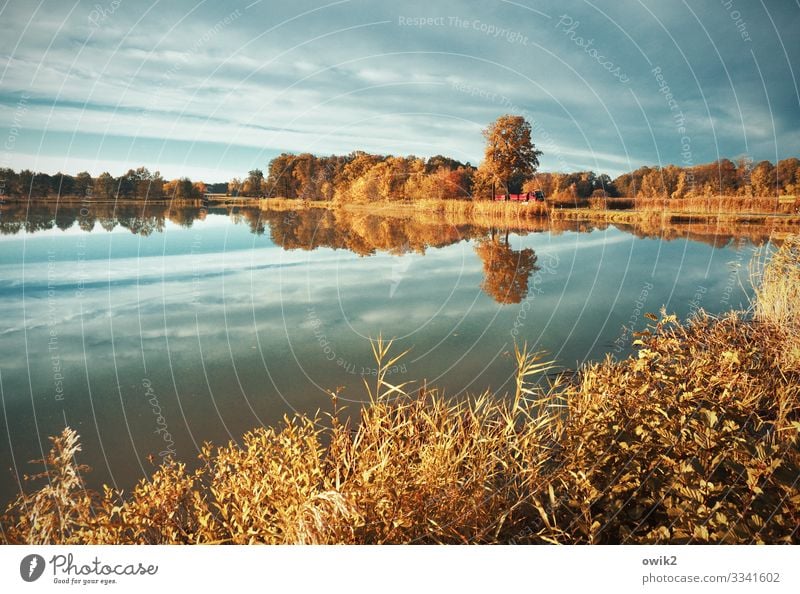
507	272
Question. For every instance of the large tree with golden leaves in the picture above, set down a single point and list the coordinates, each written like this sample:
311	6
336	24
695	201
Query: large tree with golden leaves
510	157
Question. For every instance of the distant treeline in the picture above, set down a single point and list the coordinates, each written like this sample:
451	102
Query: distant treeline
138	184
365	177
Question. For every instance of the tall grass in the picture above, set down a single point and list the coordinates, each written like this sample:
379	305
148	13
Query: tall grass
496	212
695	439
712	204
777	279
691	204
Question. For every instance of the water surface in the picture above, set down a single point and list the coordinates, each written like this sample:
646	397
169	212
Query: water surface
153	330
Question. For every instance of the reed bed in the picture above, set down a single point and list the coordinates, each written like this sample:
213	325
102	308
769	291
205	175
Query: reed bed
700	204
284	204
776	304
695	439
714	204
747	210
493	213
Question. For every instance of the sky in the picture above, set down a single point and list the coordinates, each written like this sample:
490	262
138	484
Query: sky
210	90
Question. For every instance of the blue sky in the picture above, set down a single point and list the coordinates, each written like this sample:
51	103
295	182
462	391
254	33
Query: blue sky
211	89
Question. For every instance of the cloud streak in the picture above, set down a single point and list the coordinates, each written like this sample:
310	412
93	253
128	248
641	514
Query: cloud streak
223	89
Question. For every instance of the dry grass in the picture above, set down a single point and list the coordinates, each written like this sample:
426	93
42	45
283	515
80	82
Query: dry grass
699	204
284	204
491	209
696	439
715	204
712	219
777	279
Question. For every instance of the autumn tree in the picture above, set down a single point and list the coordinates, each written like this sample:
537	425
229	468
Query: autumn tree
280	181
762	179
437	162
544	182
83	184
506	271
353	181
604	183
682	186
254	183
727	173
234	186
199	189
510	156
744	171
788	175
105	186
179	189
62	184
304	173
482	184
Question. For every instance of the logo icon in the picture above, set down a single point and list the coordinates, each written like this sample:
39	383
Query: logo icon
31	567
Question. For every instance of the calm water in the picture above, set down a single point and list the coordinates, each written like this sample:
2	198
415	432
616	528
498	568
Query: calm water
155	331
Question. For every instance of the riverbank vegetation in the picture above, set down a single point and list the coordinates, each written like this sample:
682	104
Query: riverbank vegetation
510	166
392	227
694	439
361	177
135	185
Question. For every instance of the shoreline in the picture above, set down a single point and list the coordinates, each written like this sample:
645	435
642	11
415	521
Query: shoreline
513	216
712	227
528	210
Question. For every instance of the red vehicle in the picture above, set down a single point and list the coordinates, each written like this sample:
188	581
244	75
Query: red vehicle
537	196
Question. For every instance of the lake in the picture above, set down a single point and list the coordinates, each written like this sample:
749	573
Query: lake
152	330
